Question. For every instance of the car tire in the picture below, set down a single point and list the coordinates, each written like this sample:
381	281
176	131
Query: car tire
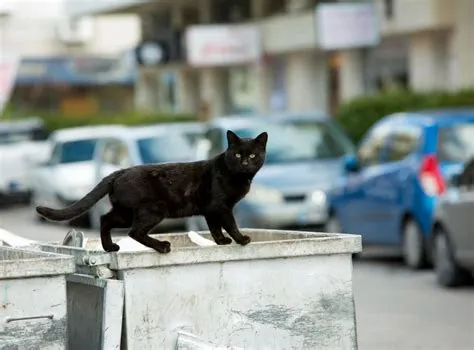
83	221
448	273
413	246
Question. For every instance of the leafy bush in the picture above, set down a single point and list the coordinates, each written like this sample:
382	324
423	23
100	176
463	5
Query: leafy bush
357	115
58	120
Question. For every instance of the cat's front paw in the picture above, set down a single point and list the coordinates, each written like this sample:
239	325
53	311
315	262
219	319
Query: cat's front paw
163	247
224	241
112	248
243	240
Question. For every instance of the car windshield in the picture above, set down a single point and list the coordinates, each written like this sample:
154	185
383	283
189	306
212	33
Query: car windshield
290	143
77	151
170	147
456	143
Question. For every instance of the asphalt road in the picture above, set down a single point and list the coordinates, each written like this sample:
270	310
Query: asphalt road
396	308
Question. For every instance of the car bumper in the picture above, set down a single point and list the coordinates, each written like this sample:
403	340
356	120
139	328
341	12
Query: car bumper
285	215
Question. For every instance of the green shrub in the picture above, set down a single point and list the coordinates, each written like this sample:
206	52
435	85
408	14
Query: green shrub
58	120
358	115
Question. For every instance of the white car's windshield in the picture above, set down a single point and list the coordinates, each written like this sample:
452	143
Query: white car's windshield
290	143
170	147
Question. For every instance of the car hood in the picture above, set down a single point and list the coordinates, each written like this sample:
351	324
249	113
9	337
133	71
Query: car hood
300	177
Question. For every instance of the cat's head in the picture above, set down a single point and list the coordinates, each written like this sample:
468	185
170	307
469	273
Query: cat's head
245	155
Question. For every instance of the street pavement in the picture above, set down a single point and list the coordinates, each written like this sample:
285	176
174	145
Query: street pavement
396	308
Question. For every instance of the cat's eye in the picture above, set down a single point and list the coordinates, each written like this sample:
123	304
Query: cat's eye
252	155
237	155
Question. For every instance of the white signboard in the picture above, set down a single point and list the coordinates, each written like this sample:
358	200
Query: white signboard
9	65
347	25
218	45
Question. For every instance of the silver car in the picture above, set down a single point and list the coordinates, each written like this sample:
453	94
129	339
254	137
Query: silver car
304	158
453	234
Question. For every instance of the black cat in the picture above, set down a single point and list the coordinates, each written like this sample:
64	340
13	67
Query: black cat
142	196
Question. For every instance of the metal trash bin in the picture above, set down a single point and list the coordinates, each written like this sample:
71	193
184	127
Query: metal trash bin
285	290
33	309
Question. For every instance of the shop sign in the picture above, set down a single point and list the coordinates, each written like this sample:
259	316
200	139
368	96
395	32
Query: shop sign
342	26
219	45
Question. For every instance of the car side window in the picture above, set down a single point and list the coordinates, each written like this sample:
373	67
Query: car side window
370	151
115	152
404	140
215	138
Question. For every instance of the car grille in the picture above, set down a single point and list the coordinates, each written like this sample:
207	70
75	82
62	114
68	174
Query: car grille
295	198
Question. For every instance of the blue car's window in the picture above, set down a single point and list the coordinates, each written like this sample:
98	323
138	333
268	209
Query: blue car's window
77	151
290	143
456	142
164	148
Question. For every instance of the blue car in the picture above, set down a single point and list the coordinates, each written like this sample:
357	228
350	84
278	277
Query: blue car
390	186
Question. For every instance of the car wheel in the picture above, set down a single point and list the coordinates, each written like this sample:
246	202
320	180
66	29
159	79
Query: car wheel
83	221
413	246
448	273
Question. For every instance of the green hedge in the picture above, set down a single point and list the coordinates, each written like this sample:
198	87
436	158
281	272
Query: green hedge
356	116
58	120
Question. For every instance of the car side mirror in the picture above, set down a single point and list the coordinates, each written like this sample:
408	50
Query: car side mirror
351	163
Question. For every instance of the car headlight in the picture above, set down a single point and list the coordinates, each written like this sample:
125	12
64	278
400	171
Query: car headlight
318	197
264	195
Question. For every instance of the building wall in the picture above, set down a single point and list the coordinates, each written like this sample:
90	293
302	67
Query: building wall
30	29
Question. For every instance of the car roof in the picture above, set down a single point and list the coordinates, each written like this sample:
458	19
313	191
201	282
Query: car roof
21	124
433	116
87	132
155	129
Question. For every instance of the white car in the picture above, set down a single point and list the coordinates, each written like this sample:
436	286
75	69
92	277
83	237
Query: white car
69	173
22	143
141	145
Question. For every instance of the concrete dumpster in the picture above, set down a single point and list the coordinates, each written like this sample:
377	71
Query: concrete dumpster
285	290
33	309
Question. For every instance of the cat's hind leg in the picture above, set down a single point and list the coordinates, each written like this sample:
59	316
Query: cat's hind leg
214	224
145	222
115	218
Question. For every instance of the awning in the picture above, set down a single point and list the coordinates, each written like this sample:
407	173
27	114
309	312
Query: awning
77	71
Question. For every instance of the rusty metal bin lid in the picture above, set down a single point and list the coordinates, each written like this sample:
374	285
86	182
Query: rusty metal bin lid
18	263
266	244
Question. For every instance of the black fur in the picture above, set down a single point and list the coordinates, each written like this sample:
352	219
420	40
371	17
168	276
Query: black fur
142	196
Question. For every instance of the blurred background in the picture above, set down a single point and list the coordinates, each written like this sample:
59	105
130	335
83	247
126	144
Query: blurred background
369	105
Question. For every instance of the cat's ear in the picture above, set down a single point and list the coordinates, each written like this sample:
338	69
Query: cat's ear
232	138
262	139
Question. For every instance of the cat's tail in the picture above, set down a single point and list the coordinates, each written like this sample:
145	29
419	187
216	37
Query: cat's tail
83	204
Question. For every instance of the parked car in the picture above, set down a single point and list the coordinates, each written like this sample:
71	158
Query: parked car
453	230
301	164
141	145
22	143
68	174
393	182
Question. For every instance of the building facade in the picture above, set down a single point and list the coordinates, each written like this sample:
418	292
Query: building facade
68	64
274	55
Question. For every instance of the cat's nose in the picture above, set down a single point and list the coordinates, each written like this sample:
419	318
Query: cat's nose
245	163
